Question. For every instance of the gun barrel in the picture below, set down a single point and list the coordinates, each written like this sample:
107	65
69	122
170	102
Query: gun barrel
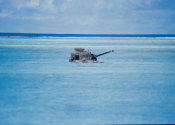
104	53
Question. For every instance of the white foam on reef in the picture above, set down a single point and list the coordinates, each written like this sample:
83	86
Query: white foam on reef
84	37
118	46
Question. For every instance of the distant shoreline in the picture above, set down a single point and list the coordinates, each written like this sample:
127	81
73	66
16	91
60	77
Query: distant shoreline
82	35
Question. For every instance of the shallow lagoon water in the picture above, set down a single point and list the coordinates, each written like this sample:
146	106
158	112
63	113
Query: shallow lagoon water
135	84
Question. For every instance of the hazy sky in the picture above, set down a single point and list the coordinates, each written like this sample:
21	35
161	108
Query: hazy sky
88	16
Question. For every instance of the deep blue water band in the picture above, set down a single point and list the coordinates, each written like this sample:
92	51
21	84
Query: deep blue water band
85	35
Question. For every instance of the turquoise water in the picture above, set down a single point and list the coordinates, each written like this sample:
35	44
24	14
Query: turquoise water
135	84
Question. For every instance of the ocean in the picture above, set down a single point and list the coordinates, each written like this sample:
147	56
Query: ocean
39	86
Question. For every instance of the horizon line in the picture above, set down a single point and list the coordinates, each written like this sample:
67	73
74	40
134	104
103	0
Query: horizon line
93	33
82	35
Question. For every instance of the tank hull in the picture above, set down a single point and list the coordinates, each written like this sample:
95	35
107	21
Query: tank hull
86	61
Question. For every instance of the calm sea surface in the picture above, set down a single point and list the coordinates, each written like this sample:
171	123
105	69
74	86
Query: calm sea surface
135	84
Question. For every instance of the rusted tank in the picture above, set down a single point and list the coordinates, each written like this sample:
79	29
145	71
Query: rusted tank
82	56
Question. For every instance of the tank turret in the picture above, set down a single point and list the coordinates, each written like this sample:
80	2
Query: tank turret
80	55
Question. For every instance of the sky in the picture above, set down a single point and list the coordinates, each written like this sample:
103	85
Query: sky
88	16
